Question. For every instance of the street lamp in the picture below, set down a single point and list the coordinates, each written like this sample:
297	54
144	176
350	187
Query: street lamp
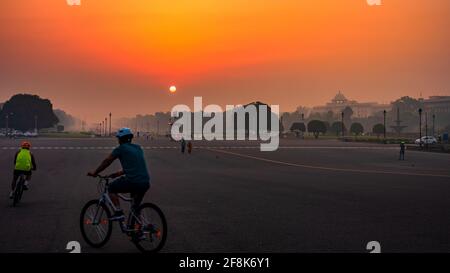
36	124
7	123
110	123
420	127
384	124
8	117
426	128
434	118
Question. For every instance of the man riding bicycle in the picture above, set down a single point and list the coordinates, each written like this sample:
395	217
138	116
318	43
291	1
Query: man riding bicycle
133	178
24	163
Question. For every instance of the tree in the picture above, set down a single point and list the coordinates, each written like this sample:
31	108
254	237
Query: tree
298	127
68	121
378	129
356	128
336	127
317	127
23	110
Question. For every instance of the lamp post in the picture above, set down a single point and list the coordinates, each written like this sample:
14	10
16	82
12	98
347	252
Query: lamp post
434	118
7	124
110	123
384	124
342	124
157	127
36	124
426	129
106	126
420	127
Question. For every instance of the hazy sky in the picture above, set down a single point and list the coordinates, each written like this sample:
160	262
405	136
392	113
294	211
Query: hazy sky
122	55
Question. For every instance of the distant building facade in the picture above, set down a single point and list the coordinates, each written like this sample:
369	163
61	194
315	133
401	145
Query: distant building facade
437	104
360	109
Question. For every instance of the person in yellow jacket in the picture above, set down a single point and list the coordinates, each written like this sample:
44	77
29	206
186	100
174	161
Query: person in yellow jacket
24	163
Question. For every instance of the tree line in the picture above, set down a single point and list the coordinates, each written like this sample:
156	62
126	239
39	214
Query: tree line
319	127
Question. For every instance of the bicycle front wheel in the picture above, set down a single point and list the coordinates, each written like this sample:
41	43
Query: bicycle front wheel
150	228
95	223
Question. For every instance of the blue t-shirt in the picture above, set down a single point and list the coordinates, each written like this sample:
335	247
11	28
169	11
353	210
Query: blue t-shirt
131	157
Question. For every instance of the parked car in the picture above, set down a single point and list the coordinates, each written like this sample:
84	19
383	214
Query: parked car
426	140
17	133
30	134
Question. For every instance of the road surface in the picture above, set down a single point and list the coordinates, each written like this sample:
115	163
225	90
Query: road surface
309	196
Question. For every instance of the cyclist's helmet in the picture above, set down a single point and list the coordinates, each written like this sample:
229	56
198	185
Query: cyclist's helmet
25	145
124	132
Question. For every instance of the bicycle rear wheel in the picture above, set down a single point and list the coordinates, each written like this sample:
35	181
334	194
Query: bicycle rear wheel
18	190
95	223
151	229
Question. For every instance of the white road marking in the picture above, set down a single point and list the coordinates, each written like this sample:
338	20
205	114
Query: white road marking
325	168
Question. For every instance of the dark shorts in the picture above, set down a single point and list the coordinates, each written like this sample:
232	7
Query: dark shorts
18	172
124	185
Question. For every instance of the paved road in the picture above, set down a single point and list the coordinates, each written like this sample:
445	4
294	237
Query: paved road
309	196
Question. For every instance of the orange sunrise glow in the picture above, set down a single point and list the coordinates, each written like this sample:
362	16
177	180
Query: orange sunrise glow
282	52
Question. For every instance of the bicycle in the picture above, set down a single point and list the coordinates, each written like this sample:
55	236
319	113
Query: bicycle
146	226
18	191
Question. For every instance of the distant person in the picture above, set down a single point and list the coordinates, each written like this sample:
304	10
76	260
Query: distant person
183	145
24	163
402	151
134	177
189	146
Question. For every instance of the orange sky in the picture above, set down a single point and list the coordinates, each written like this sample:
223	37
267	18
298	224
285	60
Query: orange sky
122	56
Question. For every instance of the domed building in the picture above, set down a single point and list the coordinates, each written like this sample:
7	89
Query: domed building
360	109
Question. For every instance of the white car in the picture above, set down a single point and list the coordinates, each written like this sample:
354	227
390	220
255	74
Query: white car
426	140
30	134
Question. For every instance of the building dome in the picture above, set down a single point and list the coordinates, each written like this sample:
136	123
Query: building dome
339	98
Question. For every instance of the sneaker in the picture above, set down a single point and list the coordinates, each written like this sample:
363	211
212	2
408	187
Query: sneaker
118	216
11	195
25	185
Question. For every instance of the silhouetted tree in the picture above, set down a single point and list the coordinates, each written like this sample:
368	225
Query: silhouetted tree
68	121
22	110
378	129
298	127
317	127
356	128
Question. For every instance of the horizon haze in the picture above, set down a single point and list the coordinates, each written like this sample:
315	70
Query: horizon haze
122	56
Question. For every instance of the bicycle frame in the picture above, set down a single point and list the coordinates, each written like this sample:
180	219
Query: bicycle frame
105	199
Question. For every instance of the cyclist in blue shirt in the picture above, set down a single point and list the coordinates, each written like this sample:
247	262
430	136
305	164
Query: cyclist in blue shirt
134	177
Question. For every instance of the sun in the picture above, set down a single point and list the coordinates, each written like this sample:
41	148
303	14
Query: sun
173	89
